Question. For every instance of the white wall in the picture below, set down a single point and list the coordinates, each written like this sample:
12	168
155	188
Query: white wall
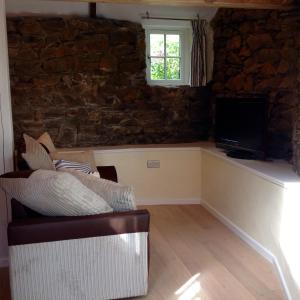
177	181
6	131
128	12
267	212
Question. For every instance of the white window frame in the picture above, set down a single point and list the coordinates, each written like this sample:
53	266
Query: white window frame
182	28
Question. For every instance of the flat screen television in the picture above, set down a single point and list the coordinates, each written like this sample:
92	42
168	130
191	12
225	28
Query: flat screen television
240	126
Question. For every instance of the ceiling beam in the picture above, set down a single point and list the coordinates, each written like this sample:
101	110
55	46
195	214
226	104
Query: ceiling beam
259	4
93	10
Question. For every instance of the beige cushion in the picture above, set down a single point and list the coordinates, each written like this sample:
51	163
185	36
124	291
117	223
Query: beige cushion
46	140
36	156
118	196
77	156
54	193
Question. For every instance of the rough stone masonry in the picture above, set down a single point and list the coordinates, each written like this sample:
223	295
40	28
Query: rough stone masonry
257	52
83	81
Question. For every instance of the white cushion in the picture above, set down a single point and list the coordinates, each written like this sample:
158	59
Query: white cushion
36	156
118	196
54	193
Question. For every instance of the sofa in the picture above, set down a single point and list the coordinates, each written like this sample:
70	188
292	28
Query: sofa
102	256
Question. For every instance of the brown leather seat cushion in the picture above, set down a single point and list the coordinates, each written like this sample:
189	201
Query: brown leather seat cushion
17	174
18	210
49	229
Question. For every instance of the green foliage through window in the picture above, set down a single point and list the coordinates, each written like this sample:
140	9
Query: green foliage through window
165	56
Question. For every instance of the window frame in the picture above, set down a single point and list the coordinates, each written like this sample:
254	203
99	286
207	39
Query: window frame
185	32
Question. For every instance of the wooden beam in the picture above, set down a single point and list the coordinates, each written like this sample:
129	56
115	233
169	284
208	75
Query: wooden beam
93	10
258	4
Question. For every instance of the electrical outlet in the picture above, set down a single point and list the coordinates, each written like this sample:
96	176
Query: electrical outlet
153	164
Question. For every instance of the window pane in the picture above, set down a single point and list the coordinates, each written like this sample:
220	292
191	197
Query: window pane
173	44
157	69
173	68
157	44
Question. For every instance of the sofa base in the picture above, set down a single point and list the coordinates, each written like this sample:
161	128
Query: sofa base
105	267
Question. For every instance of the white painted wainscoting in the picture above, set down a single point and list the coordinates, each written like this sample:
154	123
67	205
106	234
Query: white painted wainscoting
260	208
176	181
255	199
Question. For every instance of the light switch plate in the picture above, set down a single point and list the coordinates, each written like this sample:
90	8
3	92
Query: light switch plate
153	164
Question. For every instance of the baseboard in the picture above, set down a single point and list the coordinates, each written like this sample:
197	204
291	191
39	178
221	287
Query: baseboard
168	201
282	279
240	233
252	243
3	262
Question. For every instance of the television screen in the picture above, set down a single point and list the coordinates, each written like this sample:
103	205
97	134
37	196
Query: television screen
241	123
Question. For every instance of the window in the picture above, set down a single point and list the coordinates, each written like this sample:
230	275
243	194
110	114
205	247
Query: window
168	56
165	56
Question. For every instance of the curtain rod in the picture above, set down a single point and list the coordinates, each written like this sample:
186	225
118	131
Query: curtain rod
147	17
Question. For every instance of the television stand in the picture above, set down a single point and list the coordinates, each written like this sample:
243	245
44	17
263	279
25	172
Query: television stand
241	154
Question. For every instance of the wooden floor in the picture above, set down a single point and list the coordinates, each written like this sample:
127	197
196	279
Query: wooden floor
194	256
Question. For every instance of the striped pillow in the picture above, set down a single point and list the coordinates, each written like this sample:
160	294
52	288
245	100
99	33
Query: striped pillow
84	156
66	164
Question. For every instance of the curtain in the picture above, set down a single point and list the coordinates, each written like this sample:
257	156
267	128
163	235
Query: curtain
199	68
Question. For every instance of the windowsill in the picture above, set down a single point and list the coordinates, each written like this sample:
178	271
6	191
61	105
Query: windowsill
170	85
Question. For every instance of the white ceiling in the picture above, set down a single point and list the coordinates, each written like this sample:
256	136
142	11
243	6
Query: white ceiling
116	11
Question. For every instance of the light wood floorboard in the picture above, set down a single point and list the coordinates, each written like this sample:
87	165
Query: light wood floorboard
194	256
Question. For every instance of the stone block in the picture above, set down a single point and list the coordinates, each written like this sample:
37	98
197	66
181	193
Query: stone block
30	27
234	43
108	63
122	36
258	41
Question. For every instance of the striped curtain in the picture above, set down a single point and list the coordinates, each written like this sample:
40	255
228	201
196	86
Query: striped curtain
199	53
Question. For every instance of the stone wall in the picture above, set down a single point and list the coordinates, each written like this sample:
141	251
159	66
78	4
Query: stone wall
83	81
256	52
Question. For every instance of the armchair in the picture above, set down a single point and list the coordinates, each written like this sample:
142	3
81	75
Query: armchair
77	258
